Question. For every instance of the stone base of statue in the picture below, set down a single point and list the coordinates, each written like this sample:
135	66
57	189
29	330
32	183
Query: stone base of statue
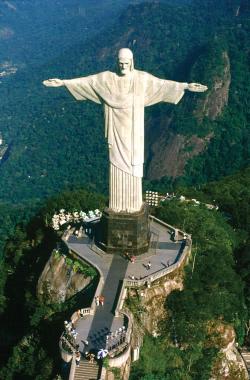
120	232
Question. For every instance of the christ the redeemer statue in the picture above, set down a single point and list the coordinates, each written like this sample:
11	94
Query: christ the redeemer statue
124	95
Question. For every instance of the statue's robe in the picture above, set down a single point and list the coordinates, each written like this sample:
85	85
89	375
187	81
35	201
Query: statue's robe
124	99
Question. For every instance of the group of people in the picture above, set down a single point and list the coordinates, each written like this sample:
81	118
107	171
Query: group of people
101	354
70	329
80	313
89	356
129	257
99	300
116	338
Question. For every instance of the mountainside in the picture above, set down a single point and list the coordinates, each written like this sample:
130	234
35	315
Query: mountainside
32	32
196	321
59	143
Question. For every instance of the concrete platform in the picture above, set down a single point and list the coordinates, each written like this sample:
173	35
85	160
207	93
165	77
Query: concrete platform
162	253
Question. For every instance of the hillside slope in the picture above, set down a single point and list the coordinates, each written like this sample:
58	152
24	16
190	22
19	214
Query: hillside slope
58	143
32	32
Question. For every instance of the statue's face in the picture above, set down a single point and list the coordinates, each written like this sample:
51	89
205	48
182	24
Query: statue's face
124	66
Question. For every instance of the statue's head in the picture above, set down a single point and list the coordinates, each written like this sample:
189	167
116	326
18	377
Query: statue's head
125	61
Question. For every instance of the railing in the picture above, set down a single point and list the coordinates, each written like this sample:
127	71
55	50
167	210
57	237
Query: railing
153	277
172	228
130	324
79	314
122	357
96	249
72	367
103	374
122	352
89	310
67	234
66	354
86	310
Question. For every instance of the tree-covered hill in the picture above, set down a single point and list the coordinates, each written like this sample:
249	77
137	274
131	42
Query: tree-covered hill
58	143
215	294
32	32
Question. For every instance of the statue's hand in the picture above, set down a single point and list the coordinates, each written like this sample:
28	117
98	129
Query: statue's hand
196	87
53	82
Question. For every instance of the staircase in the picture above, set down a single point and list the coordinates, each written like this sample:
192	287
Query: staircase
87	371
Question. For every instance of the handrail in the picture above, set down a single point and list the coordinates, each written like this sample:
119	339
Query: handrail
103	373
91	310
76	315
72	367
130	325
64	339
185	250
154	276
169	226
120	359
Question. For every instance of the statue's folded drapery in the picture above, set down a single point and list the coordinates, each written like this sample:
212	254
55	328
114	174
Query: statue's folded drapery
124	125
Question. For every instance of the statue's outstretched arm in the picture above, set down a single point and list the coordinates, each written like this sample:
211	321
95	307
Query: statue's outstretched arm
53	82
196	87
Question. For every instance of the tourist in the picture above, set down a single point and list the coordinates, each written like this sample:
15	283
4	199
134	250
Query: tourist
101	299
126	255
68	326
132	259
97	300
78	358
91	358
81	313
148	265
74	333
102	354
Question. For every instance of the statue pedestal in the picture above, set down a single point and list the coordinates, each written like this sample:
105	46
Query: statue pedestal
123	232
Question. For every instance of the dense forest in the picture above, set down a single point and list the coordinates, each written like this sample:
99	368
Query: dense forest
32	33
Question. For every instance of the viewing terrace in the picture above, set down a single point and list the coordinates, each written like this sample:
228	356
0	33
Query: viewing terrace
109	326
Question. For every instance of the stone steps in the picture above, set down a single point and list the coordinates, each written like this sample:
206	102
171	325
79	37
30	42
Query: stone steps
86	371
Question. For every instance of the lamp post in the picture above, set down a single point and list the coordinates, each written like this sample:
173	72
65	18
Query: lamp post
152	198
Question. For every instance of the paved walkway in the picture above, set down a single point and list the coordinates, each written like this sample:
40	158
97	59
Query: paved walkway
114	268
95	328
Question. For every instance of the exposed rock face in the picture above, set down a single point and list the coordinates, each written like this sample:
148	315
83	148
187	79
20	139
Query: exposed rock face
154	300
217	97
173	156
170	151
58	282
229	364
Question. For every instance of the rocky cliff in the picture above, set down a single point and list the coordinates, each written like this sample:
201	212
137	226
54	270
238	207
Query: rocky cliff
58	282
169	151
